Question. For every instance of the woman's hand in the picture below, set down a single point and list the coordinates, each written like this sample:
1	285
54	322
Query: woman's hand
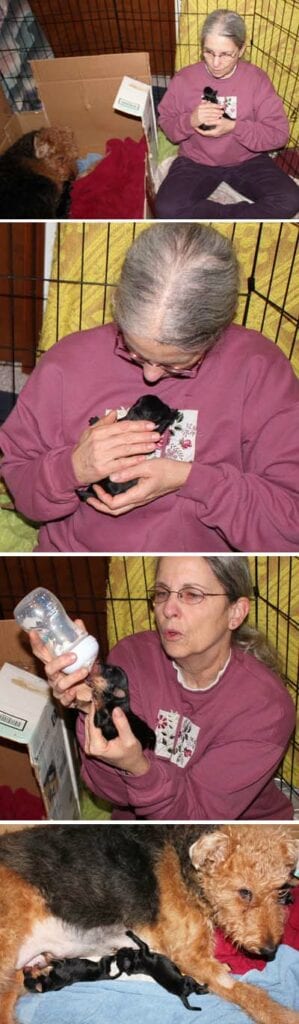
123	752
112	444
68	689
155	478
206	113
223	127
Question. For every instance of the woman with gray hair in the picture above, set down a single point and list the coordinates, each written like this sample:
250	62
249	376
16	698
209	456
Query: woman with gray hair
222	475
208	684
226	116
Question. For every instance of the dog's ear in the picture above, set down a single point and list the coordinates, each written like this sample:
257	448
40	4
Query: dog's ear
213	847
40	145
292	852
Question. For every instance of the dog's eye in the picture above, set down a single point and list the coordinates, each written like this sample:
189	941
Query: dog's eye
285	895
246	895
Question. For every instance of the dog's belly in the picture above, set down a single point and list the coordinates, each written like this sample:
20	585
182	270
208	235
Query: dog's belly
53	937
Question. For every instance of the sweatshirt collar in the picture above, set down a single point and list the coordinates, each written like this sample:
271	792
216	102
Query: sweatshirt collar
205	688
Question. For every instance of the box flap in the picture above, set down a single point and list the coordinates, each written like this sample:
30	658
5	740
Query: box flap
79	92
50	762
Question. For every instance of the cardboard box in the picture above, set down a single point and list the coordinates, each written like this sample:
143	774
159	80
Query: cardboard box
79	93
35	751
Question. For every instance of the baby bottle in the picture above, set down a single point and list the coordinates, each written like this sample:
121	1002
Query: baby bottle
42	611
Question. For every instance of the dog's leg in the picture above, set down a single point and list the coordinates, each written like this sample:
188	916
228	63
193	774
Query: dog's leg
9	998
20	906
185	933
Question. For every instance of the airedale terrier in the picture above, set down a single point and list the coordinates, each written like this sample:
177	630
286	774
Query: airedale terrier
35	172
74	890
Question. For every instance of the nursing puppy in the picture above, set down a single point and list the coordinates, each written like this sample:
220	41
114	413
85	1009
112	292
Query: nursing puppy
127	960
148	407
75	890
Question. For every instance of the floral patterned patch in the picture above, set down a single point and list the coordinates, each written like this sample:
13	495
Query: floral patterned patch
176	737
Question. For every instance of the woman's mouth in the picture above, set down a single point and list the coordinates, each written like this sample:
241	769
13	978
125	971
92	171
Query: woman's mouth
171	634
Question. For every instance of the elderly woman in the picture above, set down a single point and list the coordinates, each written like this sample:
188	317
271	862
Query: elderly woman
227	139
227	474
208	685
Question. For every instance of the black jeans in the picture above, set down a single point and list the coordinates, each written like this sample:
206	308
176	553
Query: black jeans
184	192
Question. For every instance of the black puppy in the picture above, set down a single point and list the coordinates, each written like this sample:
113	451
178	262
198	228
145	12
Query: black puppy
148	407
116	695
61	973
129	961
210	95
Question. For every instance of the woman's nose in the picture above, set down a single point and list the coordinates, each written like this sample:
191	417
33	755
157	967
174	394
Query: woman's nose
172	605
152	372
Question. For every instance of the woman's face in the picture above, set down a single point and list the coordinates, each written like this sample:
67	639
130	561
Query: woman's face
221	55
189	629
158	360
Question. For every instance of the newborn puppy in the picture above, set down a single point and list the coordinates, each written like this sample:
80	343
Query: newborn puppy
65	972
210	95
35	174
116	695
128	960
148	407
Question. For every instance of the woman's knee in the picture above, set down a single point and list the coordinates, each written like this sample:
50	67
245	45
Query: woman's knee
166	203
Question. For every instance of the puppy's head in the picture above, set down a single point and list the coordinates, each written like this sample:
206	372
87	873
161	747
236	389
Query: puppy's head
150	407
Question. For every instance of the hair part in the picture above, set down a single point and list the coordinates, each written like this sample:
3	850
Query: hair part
227	23
178	286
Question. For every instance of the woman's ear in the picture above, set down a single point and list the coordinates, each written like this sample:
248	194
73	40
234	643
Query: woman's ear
238	611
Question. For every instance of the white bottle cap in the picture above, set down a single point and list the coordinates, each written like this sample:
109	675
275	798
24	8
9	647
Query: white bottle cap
86	650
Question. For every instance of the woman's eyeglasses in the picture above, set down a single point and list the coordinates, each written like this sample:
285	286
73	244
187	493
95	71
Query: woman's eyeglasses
123	350
221	56
188	595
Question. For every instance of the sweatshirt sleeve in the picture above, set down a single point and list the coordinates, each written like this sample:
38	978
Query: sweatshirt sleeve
268	128
256	508
173	119
37	466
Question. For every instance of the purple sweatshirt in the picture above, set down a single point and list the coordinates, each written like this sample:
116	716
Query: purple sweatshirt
242	490
261	123
216	749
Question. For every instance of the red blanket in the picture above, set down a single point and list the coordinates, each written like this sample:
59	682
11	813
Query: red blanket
20	805
115	188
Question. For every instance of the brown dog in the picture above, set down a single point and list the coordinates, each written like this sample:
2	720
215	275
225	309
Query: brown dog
74	890
34	173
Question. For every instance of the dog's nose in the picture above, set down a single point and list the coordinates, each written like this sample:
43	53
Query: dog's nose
268	951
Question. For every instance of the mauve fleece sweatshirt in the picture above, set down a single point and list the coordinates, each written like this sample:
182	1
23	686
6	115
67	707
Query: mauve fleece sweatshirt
216	749
242	490
261	123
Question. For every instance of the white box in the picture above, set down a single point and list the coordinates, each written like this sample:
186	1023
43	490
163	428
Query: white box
30	723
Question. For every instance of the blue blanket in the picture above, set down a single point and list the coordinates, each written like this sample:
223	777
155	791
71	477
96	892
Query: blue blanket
104	1002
